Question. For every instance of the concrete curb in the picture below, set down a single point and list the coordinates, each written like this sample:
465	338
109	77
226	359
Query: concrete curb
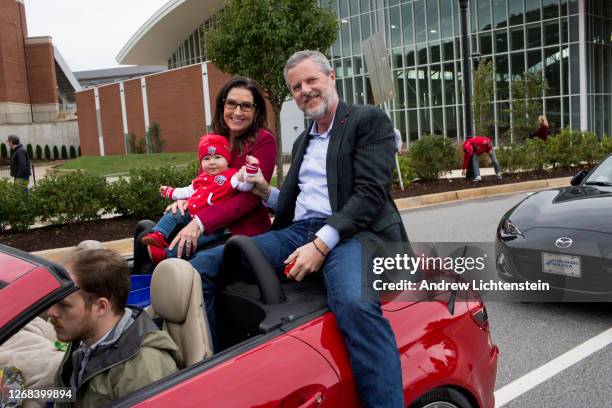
125	246
411	203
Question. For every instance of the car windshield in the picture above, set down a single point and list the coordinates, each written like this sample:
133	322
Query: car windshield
602	176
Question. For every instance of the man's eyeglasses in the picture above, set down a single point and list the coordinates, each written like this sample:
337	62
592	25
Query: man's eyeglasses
244	106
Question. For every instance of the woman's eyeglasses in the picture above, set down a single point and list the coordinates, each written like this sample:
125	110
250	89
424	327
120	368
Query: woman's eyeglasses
244	106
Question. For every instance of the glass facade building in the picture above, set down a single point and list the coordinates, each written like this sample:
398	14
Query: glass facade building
568	41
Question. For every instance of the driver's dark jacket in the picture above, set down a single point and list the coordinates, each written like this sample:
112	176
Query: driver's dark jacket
142	355
20	163
359	165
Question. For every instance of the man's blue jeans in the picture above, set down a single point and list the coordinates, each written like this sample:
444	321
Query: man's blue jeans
368	335
169	222
476	163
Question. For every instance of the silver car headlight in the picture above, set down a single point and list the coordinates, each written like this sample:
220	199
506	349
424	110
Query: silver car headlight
509	229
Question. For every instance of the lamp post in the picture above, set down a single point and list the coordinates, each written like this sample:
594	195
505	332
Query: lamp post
467	81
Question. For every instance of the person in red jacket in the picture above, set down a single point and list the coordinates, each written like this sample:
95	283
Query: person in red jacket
542	131
215	184
240	116
472	149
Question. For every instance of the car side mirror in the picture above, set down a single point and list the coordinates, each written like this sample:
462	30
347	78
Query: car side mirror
577	179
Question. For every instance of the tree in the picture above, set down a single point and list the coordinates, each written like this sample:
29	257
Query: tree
255	38
526	106
39	152
483	98
157	143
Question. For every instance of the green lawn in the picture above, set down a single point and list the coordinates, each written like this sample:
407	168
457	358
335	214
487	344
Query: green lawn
122	163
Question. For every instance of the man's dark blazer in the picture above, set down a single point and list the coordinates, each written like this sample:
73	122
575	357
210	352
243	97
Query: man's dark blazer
360	163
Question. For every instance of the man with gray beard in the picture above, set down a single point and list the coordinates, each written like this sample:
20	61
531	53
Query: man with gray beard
337	197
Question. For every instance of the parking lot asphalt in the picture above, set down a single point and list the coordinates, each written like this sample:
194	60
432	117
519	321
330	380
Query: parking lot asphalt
529	335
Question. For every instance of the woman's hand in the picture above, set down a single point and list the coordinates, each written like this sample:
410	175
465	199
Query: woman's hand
187	239
180	205
261	188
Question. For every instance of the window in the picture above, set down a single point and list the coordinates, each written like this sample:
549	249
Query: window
486	46
484	15
551	32
517	38
534	35
407	23
532	10
552	70
435	53
436	85
515	9
356	37
419	21
432	20
550	9
448	50
517	65
500	14
501	41
411	88
534	61
446	18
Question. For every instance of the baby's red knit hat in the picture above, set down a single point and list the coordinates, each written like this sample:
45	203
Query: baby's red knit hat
212	144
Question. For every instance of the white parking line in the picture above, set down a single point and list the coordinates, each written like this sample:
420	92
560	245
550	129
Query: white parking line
552	368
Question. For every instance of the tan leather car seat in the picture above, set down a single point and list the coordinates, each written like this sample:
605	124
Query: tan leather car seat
176	296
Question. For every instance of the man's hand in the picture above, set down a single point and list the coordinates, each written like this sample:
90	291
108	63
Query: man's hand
180	205
187	238
261	188
307	259
463	172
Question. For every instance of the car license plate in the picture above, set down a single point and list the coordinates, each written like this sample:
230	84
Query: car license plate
558	264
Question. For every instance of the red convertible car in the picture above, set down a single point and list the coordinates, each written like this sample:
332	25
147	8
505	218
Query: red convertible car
278	343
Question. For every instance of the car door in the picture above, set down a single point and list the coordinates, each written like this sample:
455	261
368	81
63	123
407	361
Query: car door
282	372
28	286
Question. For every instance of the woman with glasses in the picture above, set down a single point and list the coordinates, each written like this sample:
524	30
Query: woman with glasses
240	117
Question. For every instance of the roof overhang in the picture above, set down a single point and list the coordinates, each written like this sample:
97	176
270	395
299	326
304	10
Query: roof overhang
161	34
67	72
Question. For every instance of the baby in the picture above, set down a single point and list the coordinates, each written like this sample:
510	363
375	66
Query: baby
214	184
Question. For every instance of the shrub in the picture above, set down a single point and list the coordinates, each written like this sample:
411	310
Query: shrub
408	173
39	152
16	206
533	154
30	151
55	153
157	143
75	197
64	152
47	152
564	149
3	151
79	150
132	143
510	157
72	152
139	194
432	156
591	149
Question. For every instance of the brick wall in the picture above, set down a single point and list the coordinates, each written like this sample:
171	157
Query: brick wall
133	107
112	120
41	70
176	104
13	79
88	127
175	101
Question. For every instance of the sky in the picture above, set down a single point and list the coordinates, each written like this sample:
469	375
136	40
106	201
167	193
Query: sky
89	33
